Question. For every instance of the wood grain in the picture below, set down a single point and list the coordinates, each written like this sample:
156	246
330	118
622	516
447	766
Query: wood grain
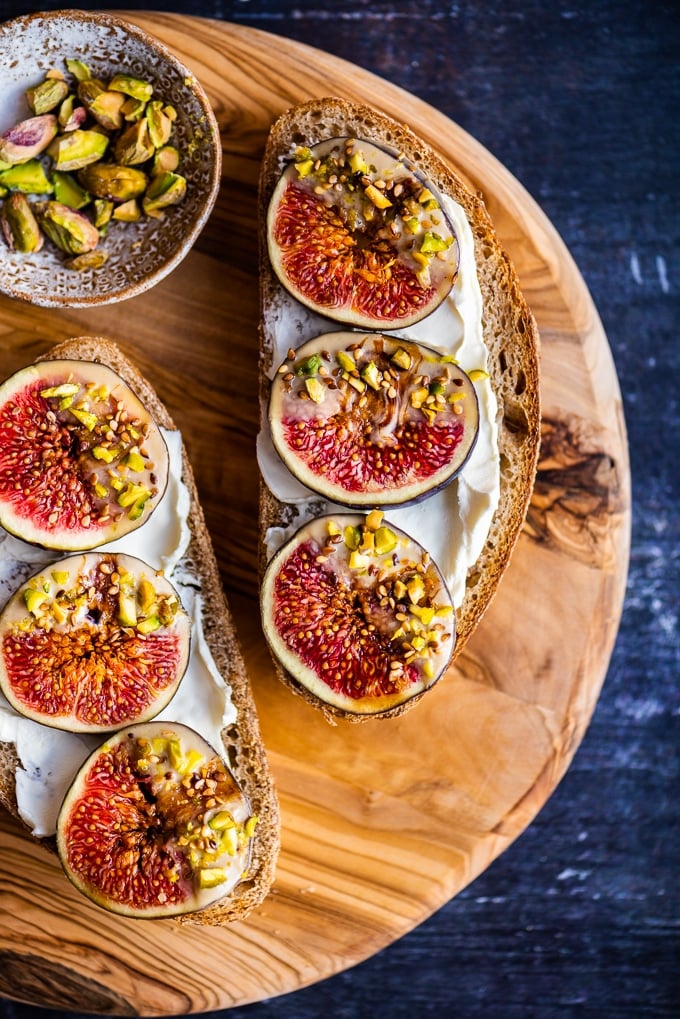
379	828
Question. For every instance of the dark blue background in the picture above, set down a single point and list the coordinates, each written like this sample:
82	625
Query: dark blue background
581	101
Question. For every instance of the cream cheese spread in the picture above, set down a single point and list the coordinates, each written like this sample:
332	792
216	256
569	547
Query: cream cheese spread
451	524
50	758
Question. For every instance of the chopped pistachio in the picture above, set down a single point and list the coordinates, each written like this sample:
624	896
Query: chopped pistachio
112	182
69	229
131	86
165	190
68	191
78	149
310	366
78	68
28	177
128	212
46	96
315	389
27	139
166	160
19	226
134	146
88	260
159	124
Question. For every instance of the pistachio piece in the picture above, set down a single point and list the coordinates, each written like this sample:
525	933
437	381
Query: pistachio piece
78	149
128	212
70	116
68	191
69	229
79	69
27	177
88	260
113	182
131	86
160	125
166	160
103	211
164	190
134	145
27	139
19	226
107	110
133	109
47	95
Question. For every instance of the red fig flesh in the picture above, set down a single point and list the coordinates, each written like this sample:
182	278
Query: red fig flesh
357	614
154	824
357	235
81	460
92	643
371	420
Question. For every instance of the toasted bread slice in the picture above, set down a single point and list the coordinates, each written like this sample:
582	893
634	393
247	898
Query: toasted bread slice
242	746
509	332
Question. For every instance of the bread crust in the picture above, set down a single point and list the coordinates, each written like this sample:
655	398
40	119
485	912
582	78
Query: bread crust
242	743
510	334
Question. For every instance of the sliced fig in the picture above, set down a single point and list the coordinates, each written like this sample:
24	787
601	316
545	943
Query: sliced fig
93	642
81	460
357	614
358	235
371	420
154	824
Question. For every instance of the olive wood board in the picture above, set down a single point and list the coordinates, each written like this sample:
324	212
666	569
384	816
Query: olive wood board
382	823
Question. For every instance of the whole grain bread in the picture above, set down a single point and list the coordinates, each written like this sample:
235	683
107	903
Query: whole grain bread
509	329
242	744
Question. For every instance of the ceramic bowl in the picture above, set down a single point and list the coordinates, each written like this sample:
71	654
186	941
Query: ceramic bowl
139	254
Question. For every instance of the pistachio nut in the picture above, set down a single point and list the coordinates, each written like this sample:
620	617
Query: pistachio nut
128	212
77	149
113	182
164	190
103	210
131	86
68	191
47	95
27	177
88	260
133	109
70	116
166	160
79	69
27	139
107	108
160	125
19	226
134	145
69	229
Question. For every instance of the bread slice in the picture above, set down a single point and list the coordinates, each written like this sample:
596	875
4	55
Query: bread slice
242	744
509	331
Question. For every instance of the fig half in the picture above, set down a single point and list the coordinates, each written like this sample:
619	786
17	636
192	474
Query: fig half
154	824
93	642
357	614
356	234
370	420
81	460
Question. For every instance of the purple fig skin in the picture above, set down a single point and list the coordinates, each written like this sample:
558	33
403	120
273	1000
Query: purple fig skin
28	139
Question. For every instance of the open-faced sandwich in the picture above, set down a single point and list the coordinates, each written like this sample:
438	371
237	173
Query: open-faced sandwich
400	409
128	733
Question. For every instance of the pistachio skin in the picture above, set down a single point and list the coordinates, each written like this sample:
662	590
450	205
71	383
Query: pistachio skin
19	226
69	229
27	139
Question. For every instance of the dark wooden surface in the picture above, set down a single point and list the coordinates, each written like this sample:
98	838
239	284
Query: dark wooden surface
580	101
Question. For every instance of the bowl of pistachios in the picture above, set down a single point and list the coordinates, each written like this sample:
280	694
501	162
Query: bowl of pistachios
110	159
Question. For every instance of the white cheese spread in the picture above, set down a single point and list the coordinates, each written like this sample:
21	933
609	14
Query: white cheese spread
49	757
451	524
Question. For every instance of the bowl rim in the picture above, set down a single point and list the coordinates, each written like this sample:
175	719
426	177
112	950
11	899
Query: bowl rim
107	19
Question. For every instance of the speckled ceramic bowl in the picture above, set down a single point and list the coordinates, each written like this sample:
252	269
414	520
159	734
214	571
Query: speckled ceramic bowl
140	254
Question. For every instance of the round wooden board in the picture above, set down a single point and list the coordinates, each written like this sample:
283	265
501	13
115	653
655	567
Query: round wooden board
382	823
